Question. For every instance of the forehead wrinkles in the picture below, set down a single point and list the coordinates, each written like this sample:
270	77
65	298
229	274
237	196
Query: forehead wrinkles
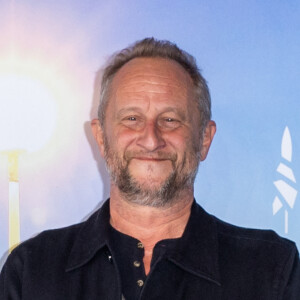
151	86
149	74
148	90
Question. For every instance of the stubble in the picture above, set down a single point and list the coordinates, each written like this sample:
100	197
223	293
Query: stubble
181	177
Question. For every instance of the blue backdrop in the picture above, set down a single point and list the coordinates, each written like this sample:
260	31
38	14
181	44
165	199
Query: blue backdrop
249	52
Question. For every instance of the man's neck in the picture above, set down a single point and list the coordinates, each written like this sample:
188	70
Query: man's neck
150	224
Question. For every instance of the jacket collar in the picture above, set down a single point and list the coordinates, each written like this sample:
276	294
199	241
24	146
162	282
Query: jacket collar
197	251
92	236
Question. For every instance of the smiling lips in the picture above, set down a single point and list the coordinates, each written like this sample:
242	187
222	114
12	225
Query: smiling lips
158	156
150	158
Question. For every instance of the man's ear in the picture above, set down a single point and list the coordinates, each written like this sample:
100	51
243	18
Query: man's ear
208	136
98	135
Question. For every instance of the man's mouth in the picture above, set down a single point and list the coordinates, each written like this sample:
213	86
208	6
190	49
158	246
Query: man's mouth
150	158
155	157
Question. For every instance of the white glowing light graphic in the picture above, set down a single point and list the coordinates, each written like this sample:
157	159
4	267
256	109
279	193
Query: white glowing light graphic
276	205
27	111
288	193
27	122
286	145
40	99
286	171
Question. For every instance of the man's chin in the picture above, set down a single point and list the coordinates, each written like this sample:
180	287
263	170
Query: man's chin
150	182
153	169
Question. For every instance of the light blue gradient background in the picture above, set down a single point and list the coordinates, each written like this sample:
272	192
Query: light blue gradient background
249	52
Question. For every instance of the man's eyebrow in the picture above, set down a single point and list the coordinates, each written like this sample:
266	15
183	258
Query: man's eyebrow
180	112
132	109
125	110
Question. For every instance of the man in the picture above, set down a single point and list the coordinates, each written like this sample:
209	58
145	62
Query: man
151	240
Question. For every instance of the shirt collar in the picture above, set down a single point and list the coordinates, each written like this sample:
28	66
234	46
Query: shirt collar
92	236
196	253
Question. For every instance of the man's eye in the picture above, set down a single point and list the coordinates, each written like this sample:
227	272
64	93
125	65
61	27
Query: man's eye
131	118
169	120
169	123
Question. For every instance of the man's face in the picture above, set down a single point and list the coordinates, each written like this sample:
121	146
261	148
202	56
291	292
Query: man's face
151	137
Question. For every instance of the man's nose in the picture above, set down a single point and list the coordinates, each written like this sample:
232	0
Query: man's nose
150	138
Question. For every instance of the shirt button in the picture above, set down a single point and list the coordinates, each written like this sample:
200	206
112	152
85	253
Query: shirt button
136	263
140	283
140	245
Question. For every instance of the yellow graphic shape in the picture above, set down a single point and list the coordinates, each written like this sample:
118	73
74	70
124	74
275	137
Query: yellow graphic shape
14	196
14	215
13	165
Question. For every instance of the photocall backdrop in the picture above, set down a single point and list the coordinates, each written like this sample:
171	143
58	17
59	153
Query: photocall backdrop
51	54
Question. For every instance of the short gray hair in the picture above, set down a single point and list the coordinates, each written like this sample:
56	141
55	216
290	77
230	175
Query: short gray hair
153	48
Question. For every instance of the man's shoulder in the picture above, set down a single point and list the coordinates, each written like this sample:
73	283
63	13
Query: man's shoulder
251	235
57	240
245	253
55	235
229	233
254	246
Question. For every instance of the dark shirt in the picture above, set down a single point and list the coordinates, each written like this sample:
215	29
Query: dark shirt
128	254
213	260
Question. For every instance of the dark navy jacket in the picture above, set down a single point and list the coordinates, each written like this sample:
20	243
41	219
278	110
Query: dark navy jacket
214	260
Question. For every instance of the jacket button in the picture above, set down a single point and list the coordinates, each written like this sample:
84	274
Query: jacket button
140	283
136	263
140	245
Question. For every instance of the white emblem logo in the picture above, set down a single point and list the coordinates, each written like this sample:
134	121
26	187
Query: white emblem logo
287	192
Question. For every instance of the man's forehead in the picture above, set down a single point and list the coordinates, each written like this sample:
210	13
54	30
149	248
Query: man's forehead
151	75
156	67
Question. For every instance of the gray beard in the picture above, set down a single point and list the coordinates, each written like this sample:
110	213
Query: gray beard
165	195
